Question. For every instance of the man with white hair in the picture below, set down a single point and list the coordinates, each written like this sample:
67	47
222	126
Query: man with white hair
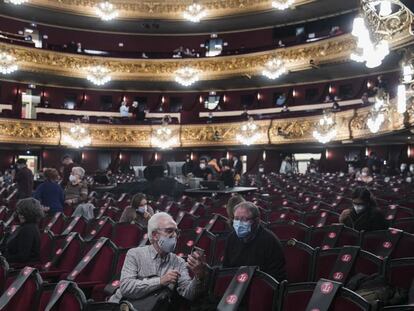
150	268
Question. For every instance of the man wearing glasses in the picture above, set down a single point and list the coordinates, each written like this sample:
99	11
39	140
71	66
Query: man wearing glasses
250	244
149	268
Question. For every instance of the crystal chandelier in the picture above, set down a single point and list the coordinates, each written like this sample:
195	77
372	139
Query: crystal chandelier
163	136
195	13
78	136
106	11
369	52
248	133
376	116
98	75
326	129
16	2
274	69
282	4
7	63
187	76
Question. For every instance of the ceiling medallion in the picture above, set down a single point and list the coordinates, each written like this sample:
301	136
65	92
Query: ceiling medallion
248	133
78	136
282	4
187	76
274	69
106	11
7	63
326	129
98	75
195	13
163	136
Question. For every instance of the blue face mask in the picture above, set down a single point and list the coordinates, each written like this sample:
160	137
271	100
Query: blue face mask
242	228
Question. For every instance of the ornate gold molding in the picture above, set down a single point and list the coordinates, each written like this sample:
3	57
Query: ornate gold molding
351	124
161	9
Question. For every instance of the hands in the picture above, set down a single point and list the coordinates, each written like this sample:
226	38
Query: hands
171	277
344	215
196	263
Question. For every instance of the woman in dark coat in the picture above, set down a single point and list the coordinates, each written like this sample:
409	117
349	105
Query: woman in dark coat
364	215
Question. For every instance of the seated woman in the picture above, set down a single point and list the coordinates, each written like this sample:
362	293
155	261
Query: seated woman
139	212
364	215
23	245
76	190
49	193
365	176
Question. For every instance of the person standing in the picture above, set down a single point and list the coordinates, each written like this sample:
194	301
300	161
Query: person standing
67	169
286	166
237	166
49	193
24	179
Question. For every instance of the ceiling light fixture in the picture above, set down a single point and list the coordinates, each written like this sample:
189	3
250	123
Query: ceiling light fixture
195	13
7	63
248	133
187	76
163	137
282	4
78	136
274	68
98	75
106	11
326	129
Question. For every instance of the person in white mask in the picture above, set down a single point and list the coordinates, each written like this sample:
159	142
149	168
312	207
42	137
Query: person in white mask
365	175
139	212
147	269
76	190
364	214
203	170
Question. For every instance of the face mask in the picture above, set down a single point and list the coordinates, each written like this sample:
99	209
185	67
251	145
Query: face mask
72	178
359	208
166	244
313	170
202	166
408	179
261	170
387	179
364	174
411	169
242	228
142	209
403	167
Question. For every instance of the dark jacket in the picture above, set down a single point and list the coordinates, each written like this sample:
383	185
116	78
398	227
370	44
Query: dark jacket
228	178
238	167
370	219
264	251
24	180
50	194
23	245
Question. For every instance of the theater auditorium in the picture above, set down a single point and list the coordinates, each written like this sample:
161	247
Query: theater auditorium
202	155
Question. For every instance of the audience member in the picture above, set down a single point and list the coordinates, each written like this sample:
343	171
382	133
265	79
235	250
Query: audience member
281	100
237	166
67	169
227	175
7	177
188	166
215	168
364	215
286	166
251	244
139	212
234	200
149	269
124	110
203	171
23	245
49	193
23	179
76	190
365	176
365	99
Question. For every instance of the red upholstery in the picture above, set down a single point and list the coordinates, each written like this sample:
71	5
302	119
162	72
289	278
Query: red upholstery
289	230
299	260
311	218
400	272
186	220
405	224
126	235
348	236
373	241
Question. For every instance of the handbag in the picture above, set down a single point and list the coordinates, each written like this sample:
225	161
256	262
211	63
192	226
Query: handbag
158	300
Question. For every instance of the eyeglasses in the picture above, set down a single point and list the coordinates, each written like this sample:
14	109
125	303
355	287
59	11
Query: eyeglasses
170	231
244	219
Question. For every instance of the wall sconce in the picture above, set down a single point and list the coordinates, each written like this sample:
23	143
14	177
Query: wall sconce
162	99
369	84
409	151
259	96
200	99
327	154
82	155
120	156
192	156
228	155
366	151
156	156
225	98
294	93
264	155
331	89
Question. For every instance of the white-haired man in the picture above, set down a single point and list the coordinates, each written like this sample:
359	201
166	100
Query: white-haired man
150	268
76	190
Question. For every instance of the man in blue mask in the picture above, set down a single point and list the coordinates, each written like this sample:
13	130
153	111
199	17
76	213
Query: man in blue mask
250	244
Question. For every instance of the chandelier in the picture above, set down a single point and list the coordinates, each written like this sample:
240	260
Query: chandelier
376	116
369	52
194	13
7	63
163	136
16	2
106	11
326	129
187	76
98	75
405	90
248	133
274	68
282	4
78	136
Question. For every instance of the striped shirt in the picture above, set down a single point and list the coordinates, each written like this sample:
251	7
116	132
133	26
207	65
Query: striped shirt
142	271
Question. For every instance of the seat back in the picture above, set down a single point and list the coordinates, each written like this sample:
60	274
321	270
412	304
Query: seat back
127	235
286	230
300	260
342	234
69	257
400	272
4	270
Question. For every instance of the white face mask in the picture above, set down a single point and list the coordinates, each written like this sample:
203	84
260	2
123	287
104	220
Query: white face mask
403	167
166	244
364	174
72	178
359	208
408	179
411	168
261	170
387	179
202	166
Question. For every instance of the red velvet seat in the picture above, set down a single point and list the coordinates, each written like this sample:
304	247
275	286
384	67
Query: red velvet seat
347	236
286	230
186	241
312	218
56	223
126	235
405	224
71	298
4	270
75	224
98	228
400	272
284	214
186	220
297	296
300	259
217	224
